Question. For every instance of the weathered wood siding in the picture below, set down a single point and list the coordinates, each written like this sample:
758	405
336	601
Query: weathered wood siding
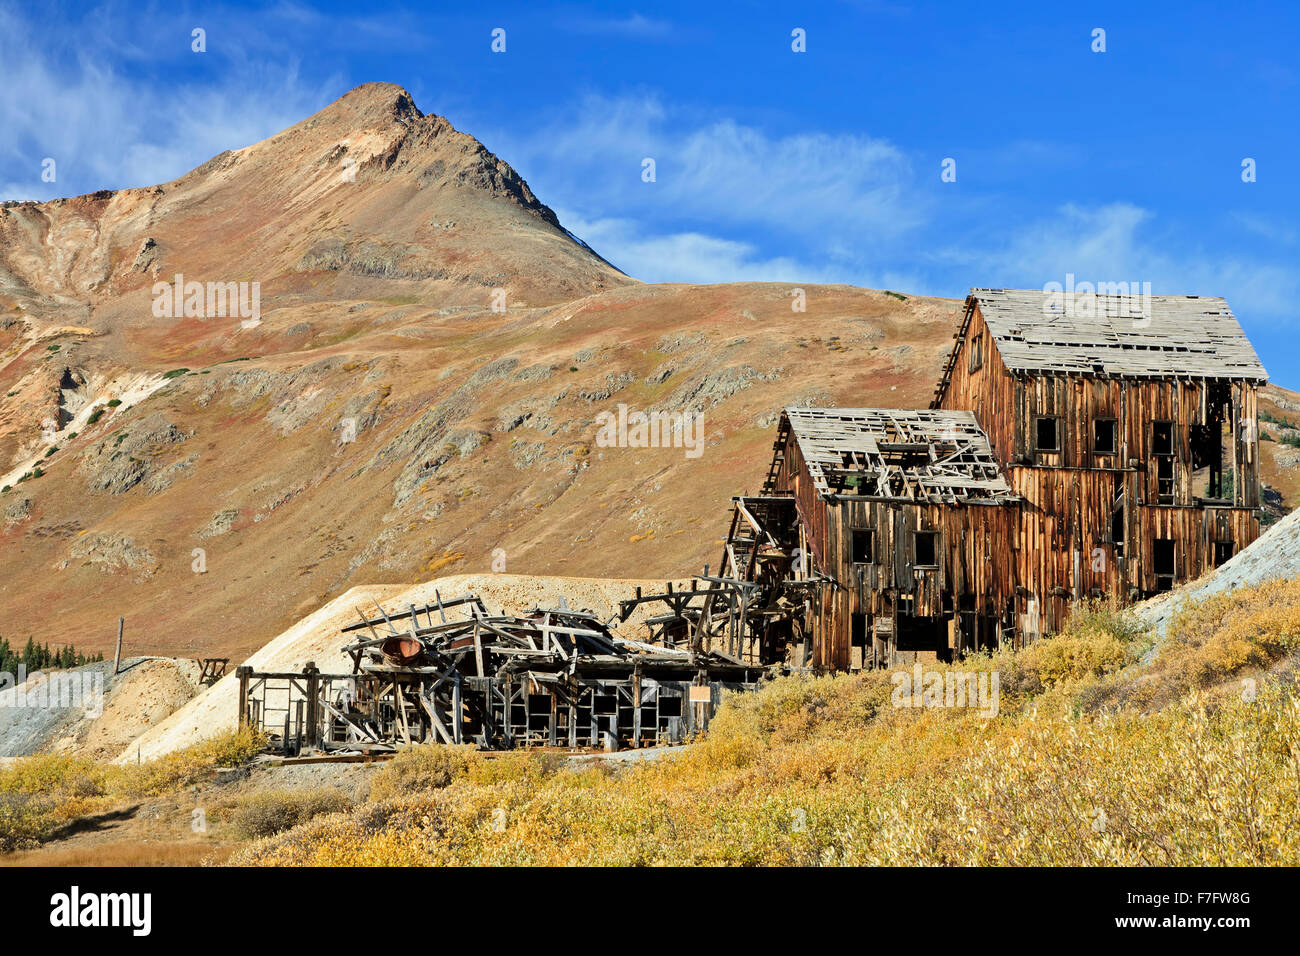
974	553
1065	542
1008	406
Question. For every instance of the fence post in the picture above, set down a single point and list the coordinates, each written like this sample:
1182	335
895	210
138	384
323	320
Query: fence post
117	657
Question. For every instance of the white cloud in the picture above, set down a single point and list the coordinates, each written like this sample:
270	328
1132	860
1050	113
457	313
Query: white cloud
702	258
719	172
108	130
633	25
1120	242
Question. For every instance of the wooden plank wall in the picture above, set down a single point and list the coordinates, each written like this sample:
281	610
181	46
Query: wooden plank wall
1007	407
973	561
1069	494
987	391
792	478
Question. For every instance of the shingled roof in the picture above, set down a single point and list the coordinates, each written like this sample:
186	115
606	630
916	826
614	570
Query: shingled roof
909	454
1118	335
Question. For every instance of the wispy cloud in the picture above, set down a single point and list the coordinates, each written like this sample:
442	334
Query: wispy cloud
722	192
1119	242
105	128
720	171
633	25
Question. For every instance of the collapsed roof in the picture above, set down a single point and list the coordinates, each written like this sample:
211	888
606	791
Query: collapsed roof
933	455
1117	335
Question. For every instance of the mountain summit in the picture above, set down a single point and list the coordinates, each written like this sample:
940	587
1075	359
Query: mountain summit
368	196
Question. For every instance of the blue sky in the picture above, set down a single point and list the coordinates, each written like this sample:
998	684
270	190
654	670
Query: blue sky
820	166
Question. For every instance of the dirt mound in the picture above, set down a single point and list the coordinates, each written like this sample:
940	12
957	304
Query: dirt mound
89	710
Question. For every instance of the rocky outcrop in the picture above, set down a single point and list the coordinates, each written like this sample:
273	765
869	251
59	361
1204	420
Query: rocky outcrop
129	455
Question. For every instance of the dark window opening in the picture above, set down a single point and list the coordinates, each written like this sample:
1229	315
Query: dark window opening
922	634
1208	459
604	705
976	353
926	549
1222	552
539	711
1162	438
1104	436
1163	563
1046	435
1117	532
670	706
859	630
863	546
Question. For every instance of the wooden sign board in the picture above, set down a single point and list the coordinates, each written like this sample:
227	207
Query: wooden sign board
701	695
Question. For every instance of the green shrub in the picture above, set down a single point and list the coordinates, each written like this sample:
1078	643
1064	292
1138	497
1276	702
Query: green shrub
184	767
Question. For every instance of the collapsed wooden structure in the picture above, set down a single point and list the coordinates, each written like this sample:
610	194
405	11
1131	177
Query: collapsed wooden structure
451	672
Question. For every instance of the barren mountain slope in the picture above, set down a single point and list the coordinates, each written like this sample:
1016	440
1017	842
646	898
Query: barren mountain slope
470	431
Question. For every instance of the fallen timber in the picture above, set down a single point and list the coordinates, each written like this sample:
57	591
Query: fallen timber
452	672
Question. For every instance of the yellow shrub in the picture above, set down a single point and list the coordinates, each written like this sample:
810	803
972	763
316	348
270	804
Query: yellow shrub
266	812
425	767
1214	640
183	767
1073	656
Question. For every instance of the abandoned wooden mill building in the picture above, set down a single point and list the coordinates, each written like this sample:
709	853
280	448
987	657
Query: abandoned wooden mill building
1076	447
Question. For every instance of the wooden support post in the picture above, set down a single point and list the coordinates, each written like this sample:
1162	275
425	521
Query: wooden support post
507	735
636	705
243	673
313	735
457	730
117	657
